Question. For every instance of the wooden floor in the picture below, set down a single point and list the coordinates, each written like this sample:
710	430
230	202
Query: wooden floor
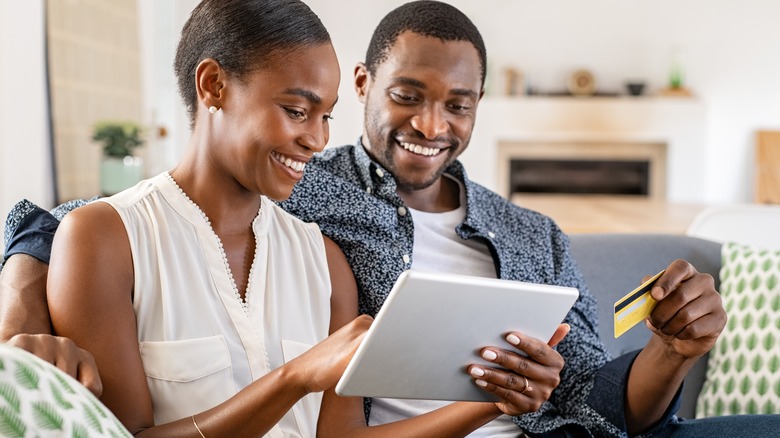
611	214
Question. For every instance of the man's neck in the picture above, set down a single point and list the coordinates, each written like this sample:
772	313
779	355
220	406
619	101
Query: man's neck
441	196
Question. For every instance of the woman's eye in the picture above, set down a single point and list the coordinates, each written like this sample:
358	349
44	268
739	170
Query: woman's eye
327	117
295	114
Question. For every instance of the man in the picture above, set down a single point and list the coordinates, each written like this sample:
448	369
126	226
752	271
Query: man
399	199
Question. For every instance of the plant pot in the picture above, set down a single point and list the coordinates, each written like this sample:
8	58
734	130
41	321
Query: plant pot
117	174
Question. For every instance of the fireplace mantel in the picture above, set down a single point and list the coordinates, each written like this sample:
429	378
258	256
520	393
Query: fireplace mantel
680	123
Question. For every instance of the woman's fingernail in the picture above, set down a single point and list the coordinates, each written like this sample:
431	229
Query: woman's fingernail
512	339
481	383
489	355
477	372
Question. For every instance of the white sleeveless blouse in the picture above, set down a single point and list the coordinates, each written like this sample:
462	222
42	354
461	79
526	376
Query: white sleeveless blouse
199	342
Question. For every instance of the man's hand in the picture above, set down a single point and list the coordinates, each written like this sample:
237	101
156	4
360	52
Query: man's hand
65	355
527	382
689	315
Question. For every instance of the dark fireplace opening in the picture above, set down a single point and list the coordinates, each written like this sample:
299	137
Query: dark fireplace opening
608	177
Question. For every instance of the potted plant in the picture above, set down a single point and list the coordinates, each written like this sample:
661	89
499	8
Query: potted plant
119	168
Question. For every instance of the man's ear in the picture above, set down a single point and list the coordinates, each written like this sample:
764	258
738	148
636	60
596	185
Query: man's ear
210	83
361	81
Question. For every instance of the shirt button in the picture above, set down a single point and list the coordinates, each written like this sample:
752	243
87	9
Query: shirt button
401	211
491	234
368	190
406	258
380	173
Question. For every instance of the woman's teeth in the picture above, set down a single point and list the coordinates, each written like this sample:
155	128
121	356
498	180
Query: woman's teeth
420	150
297	166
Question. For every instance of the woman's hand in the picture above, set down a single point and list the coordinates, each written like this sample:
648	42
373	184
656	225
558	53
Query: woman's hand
526	381
321	366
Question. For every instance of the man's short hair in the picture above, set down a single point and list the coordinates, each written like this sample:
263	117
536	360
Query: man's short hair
428	18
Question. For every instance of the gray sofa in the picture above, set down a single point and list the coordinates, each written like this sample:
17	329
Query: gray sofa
614	264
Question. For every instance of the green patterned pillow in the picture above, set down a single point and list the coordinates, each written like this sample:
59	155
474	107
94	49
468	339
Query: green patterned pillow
742	372
39	400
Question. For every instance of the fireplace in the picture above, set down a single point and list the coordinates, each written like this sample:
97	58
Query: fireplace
600	168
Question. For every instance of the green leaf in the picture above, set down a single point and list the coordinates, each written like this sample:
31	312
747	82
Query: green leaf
64	384
748	322
26	376
752	340
79	431
11	425
769	342
99	407
745	385
46	416
757	363
769	407
734	407
92	419
752	407
762	386
10	395
759	302
771	281
59	397
763	321
774	364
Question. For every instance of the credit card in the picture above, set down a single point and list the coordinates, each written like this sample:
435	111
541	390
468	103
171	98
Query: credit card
635	306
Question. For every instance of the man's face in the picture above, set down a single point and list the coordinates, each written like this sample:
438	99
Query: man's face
420	107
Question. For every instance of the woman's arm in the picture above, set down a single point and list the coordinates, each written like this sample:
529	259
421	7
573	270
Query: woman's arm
90	298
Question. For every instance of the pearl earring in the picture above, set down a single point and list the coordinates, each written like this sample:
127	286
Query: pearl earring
213	109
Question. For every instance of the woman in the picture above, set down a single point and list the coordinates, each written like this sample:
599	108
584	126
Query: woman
193	290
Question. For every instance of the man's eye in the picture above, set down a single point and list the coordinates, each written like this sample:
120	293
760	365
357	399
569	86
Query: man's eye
403	98
459	107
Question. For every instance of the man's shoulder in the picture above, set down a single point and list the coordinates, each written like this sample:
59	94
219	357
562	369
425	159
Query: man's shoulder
495	205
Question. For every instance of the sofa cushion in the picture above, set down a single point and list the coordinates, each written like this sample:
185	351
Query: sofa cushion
742	374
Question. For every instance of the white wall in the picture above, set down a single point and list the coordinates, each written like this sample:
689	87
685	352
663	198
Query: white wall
730	57
731	63
24	134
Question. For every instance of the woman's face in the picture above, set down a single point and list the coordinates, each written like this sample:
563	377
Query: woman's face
276	118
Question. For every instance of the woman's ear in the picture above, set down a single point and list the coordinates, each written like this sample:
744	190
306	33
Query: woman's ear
361	81
209	82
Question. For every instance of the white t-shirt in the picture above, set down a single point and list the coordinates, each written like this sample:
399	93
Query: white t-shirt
437	248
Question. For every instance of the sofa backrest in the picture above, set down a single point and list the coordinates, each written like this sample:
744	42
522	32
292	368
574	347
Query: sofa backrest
614	264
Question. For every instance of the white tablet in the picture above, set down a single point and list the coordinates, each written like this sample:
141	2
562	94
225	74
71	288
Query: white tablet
432	326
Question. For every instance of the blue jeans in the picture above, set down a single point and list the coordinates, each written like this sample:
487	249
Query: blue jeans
742	426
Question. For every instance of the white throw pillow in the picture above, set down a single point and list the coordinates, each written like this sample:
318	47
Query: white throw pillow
39	400
742	372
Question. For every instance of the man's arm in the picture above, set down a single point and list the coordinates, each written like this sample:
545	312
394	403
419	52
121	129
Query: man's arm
23	306
24	312
686	322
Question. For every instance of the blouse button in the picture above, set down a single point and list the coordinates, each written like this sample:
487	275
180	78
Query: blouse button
401	211
406	258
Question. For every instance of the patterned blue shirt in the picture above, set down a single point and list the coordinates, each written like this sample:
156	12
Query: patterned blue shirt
355	203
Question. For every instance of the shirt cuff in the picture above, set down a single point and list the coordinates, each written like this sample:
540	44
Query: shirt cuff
610	385
29	230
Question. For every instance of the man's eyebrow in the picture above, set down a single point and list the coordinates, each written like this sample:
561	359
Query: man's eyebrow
417	84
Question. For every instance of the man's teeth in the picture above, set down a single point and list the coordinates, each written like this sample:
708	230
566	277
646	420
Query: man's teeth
420	150
297	166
